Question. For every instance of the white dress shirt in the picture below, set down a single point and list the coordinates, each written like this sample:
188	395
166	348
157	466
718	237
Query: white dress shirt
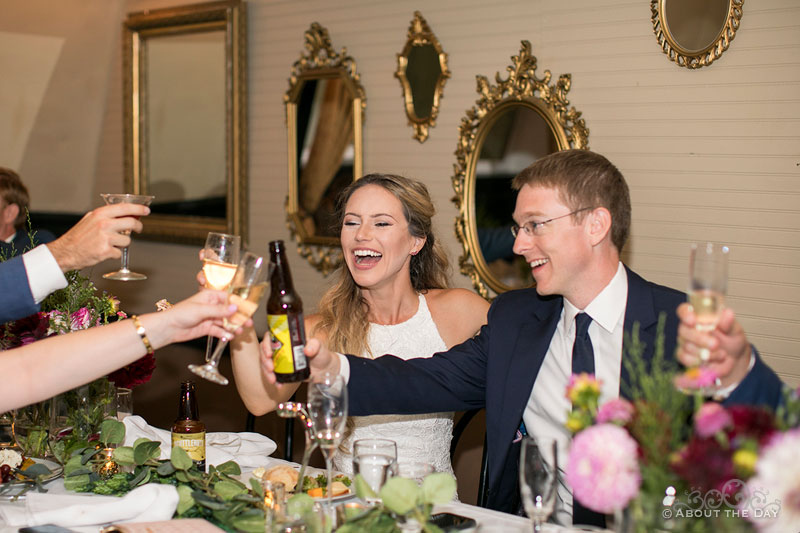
44	274
545	415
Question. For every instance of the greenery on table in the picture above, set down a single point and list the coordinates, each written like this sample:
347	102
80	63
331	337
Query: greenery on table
215	496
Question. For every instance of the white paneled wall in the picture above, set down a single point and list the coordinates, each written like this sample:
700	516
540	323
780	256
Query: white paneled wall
711	154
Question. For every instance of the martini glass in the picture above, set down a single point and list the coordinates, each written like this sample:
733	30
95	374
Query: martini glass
245	291
124	273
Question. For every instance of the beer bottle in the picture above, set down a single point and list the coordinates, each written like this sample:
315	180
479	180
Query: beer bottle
285	317
188	431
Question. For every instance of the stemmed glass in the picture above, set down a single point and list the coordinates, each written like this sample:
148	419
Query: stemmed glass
220	259
124	273
245	291
538	478
708	283
327	409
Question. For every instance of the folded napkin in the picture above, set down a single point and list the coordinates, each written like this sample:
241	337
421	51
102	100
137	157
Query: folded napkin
247	449
147	503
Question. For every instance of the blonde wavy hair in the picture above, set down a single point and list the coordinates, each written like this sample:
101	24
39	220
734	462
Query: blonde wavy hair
344	312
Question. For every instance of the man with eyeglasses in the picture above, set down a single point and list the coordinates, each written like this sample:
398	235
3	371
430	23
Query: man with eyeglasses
572	219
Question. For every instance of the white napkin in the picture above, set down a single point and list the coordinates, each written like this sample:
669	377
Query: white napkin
247	449
147	503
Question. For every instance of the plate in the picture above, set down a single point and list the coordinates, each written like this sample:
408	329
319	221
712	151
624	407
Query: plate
313	472
11	490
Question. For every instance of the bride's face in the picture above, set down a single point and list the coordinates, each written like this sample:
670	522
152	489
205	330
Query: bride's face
376	242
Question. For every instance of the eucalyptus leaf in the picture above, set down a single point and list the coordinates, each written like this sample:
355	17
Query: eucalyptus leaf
77	483
249	522
185	499
438	487
182	476
141	478
247	498
256	487
124	455
79	472
207	501
166	469
234	480
139	441
144	451
74	463
230	468
34	470
180	459
400	495
363	490
112	431
227	489
299	504
87	455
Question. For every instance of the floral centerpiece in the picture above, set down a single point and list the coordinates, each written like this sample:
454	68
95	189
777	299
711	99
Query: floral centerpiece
78	306
667	460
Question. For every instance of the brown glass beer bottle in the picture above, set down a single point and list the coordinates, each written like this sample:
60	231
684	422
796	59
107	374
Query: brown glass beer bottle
188	431
285	317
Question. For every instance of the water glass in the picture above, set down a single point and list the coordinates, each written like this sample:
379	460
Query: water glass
124	403
415	470
375	460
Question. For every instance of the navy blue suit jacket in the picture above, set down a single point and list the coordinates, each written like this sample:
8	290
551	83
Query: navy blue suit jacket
497	368
22	242
16	299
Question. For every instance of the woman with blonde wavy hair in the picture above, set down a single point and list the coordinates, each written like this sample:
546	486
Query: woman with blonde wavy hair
391	296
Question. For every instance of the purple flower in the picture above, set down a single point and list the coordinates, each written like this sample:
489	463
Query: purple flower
711	418
603	468
617	411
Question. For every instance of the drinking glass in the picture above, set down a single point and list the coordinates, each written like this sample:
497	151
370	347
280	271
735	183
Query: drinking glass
708	283
220	258
124	402
124	273
538	478
415	470
327	409
375	460
245	291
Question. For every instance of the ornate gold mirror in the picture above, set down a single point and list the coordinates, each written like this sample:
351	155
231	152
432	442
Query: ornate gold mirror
422	71
185	113
513	123
694	33
324	115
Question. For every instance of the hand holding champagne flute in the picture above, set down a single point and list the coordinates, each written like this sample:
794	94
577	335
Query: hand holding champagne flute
708	284
220	259
245	291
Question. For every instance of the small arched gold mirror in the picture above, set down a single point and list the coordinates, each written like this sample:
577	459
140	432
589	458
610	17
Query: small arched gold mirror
324	115
514	122
694	33
422	71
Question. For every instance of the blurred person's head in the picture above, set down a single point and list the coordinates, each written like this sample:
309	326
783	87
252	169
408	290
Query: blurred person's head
13	203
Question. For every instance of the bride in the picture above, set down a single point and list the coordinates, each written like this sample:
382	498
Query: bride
391	297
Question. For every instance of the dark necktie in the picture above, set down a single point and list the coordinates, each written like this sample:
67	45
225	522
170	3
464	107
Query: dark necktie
583	361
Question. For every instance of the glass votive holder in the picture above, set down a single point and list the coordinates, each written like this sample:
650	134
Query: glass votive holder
124	403
274	502
104	465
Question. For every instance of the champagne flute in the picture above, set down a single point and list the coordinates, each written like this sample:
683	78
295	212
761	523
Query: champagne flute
327	409
245	291
124	273
708	283
220	259
538	478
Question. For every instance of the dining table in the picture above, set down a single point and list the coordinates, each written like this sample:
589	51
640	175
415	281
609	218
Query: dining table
60	506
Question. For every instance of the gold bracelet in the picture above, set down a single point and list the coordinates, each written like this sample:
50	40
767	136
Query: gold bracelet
142	334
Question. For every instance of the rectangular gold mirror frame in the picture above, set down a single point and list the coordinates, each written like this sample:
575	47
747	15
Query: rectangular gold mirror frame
229	16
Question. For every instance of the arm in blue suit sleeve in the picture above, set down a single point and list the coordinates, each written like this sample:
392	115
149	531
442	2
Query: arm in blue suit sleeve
454	380
761	386
16	299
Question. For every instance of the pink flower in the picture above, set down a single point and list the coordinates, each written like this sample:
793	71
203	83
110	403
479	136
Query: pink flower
695	378
80	319
617	411
711	418
603	469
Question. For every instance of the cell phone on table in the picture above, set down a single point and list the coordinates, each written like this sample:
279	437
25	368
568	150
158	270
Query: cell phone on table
452	522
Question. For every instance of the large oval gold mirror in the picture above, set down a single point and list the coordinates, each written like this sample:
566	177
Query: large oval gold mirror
422	71
186	118
515	122
694	33
324	116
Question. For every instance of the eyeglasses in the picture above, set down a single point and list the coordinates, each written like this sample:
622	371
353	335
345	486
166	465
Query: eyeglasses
535	228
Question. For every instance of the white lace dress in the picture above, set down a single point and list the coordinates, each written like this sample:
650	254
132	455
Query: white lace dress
425	437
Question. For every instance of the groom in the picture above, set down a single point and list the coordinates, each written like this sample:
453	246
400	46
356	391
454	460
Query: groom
573	215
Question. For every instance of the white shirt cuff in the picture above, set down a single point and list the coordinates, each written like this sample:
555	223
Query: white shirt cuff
44	274
722	394
344	368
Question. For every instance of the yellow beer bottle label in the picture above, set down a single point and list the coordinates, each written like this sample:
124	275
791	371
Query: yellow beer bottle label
288	358
193	443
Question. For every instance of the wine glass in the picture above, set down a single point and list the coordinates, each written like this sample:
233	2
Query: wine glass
708	283
327	409
124	273
220	259
538	478
245	291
